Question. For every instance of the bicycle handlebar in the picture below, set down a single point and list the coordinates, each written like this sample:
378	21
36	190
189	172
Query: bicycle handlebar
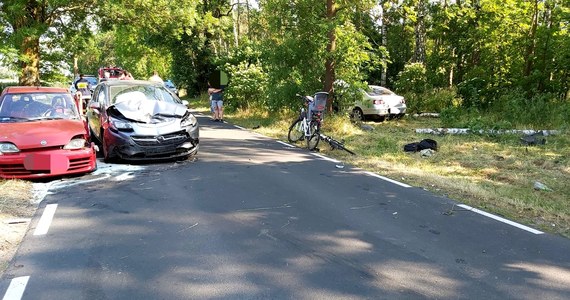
307	99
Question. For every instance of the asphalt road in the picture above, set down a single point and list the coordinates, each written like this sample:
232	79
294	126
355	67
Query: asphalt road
252	218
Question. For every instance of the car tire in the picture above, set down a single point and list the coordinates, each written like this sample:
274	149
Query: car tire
357	115
106	157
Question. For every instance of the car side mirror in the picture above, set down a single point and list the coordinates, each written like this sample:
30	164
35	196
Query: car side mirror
185	102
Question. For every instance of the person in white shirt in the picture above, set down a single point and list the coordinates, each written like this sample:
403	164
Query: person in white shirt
155	77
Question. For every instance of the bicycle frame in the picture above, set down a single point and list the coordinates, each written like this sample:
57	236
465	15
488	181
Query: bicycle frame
305	123
306	127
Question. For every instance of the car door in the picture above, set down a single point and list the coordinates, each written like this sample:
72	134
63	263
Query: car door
95	110
366	103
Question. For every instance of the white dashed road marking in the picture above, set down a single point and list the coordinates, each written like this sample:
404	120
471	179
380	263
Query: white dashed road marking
45	220
16	288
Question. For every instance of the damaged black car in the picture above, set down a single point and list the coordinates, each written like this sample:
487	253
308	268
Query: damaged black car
141	120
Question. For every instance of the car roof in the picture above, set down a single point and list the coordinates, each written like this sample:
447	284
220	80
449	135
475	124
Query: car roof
33	89
130	82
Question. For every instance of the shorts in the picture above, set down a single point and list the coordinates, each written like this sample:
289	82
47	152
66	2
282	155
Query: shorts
216	103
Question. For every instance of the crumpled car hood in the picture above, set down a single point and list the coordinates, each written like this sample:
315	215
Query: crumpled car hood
149	111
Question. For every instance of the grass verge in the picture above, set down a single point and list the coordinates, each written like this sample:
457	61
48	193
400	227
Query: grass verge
491	172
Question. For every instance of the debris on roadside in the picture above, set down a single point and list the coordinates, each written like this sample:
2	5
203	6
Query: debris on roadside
335	144
443	131
421	145
533	139
541	186
16	221
428	115
427	153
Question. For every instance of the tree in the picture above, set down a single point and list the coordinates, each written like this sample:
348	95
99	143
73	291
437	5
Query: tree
29	21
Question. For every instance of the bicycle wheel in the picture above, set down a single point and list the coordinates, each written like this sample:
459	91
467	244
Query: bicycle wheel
296	132
314	136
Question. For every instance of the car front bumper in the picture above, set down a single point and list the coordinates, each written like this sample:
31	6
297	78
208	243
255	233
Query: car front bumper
162	145
44	163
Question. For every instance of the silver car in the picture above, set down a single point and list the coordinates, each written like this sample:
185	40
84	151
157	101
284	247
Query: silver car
139	120
379	103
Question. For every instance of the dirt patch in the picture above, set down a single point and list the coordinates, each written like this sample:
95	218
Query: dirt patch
17	206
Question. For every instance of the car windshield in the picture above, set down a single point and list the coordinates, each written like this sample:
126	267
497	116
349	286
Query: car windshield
378	91
37	106
121	93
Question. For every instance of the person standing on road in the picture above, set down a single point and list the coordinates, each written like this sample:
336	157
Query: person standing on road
155	77
217	103
83	86
82	92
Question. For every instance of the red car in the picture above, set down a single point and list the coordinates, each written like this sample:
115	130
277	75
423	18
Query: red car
113	73
42	134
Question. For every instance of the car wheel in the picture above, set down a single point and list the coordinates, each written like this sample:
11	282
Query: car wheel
106	157
357	115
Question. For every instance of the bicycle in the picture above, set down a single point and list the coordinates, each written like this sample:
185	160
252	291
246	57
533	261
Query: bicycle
308	125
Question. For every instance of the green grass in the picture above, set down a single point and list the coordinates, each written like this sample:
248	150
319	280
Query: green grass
494	173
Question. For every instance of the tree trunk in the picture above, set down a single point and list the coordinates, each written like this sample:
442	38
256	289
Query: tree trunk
529	57
75	67
236	21
451	68
420	49
30	64
384	33
331	47
545	65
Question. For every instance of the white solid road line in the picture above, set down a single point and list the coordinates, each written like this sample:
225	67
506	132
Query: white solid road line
16	288
388	179
285	144
486	214
325	158
45	220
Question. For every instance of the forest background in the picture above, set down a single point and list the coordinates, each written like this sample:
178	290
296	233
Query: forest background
480	63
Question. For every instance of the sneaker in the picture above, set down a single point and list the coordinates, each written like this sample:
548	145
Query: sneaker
221	120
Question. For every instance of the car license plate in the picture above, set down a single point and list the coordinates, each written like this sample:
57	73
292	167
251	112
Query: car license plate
54	163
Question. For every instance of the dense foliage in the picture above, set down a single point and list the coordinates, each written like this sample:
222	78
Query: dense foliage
465	58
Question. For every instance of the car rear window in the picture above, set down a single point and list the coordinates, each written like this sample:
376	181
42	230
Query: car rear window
378	91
